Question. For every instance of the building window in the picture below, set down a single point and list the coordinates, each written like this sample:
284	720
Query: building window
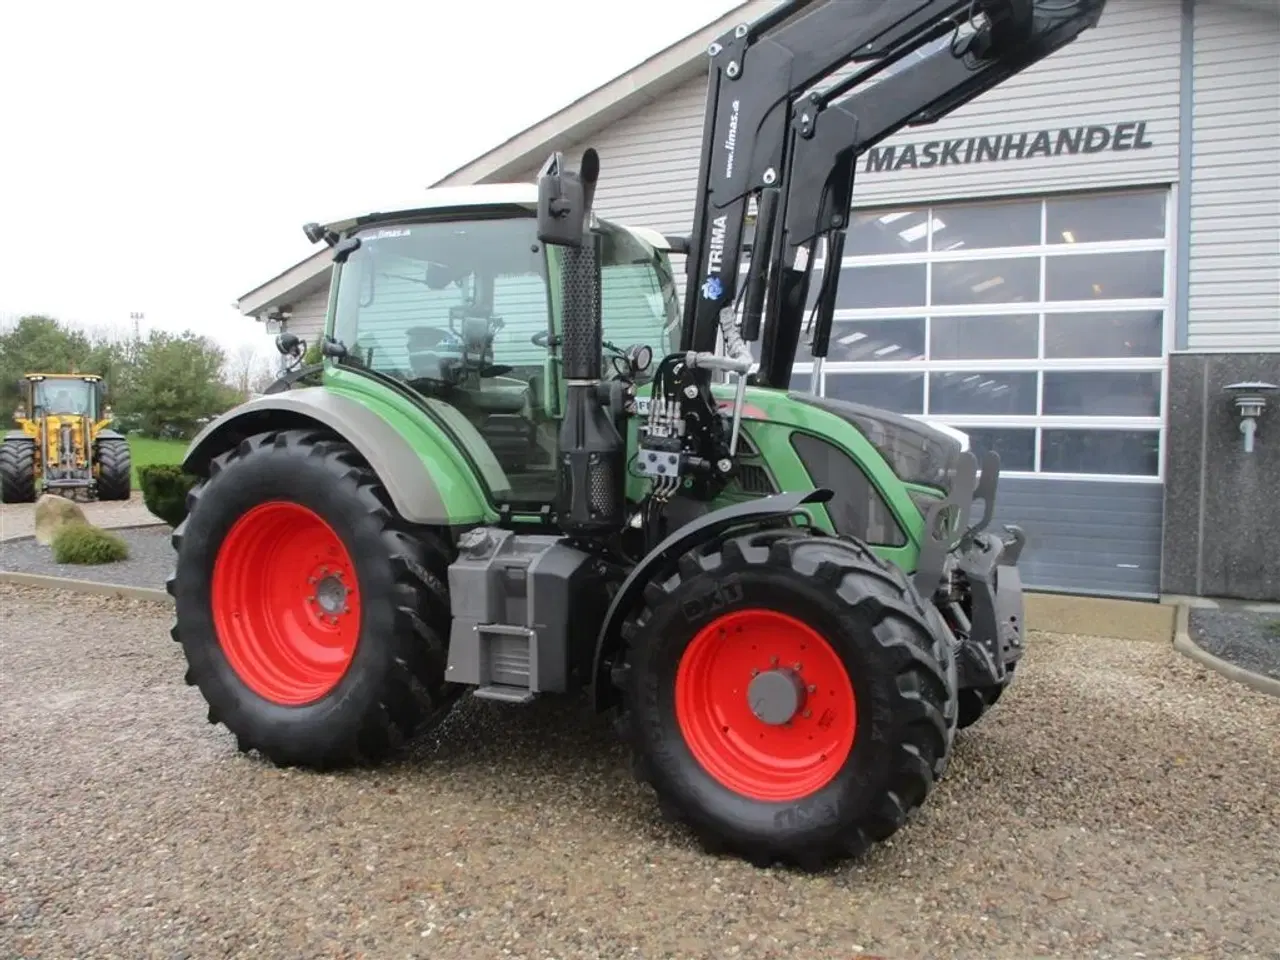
1037	326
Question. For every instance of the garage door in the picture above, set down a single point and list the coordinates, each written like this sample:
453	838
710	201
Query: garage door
1039	326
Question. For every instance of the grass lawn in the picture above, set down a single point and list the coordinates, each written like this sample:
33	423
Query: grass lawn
145	451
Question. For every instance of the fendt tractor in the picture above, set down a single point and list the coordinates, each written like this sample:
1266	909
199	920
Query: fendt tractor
63	442
531	467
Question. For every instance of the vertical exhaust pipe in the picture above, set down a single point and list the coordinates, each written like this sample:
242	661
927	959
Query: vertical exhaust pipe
592	452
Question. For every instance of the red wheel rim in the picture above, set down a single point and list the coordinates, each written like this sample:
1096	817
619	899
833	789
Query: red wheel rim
765	759
286	604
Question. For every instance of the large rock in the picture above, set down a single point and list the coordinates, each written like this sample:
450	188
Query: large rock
53	513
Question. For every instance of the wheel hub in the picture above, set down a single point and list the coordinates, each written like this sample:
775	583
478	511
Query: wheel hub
776	696
331	594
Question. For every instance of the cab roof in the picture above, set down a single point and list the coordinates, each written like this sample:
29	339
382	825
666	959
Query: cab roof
521	196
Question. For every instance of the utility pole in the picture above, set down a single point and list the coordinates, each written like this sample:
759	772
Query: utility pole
137	317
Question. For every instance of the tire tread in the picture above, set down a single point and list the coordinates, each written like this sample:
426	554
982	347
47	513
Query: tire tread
115	467
415	695
17	471
892	612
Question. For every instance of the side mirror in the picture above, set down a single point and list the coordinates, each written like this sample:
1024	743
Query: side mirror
289	345
565	198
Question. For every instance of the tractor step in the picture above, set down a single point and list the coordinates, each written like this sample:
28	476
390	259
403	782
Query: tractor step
504	693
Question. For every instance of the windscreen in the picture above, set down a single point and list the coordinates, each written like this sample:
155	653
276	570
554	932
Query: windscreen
64	397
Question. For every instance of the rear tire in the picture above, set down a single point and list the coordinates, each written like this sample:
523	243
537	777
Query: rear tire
17	471
115	468
313	619
888	678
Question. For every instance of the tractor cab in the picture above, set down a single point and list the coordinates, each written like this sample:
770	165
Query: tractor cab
455	298
62	395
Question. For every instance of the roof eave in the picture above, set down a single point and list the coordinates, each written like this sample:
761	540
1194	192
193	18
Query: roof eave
287	286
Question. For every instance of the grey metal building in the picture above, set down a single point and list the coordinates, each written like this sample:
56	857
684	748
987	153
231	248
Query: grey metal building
1070	269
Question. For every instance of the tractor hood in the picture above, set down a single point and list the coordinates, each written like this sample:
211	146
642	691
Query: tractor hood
917	452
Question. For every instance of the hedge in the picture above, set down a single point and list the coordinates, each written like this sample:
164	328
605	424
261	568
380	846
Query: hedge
164	491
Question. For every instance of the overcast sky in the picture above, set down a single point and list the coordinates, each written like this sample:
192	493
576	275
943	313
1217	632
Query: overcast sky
162	157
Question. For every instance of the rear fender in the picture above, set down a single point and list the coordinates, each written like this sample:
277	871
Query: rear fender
402	466
682	540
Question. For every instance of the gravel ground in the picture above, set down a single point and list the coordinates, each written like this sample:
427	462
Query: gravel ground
18	519
1247	639
150	560
1121	801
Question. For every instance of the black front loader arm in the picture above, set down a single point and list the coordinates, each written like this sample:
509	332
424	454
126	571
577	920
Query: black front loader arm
756	72
764	137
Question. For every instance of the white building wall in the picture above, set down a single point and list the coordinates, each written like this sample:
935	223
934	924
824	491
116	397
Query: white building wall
1124	72
1234	297
309	313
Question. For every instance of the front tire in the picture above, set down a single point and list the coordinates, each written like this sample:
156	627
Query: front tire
17	471
115	468
843	737
313	619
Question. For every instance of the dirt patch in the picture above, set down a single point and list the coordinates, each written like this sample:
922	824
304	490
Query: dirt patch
1120	800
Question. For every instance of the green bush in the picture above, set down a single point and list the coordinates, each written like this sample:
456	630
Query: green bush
164	491
85	543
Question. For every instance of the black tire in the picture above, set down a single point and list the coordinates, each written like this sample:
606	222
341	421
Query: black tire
394	686
17	471
976	701
115	466
901	671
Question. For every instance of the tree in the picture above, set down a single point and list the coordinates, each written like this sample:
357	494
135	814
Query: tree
248	370
177	383
38	344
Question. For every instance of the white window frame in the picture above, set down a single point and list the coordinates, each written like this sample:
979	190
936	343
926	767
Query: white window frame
1159	364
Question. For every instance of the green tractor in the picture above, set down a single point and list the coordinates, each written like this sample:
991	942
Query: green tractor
529	468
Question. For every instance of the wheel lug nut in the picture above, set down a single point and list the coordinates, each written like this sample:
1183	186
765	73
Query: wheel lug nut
773	661
798	667
811	688
807	714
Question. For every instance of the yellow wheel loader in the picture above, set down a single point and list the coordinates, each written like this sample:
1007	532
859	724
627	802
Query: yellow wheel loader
63	444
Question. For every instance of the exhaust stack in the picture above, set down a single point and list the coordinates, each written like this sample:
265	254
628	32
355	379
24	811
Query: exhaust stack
592	452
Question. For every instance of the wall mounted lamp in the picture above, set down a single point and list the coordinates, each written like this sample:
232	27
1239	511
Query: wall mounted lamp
1249	399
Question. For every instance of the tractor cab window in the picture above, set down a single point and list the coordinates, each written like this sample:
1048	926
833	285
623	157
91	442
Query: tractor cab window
638	297
64	397
459	311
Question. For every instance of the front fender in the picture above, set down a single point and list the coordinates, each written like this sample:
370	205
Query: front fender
403	468
676	544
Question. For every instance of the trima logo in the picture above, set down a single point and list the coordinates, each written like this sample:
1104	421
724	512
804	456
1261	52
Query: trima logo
713	286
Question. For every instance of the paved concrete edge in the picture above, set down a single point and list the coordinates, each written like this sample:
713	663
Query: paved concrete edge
1110	617
85	586
1183	643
